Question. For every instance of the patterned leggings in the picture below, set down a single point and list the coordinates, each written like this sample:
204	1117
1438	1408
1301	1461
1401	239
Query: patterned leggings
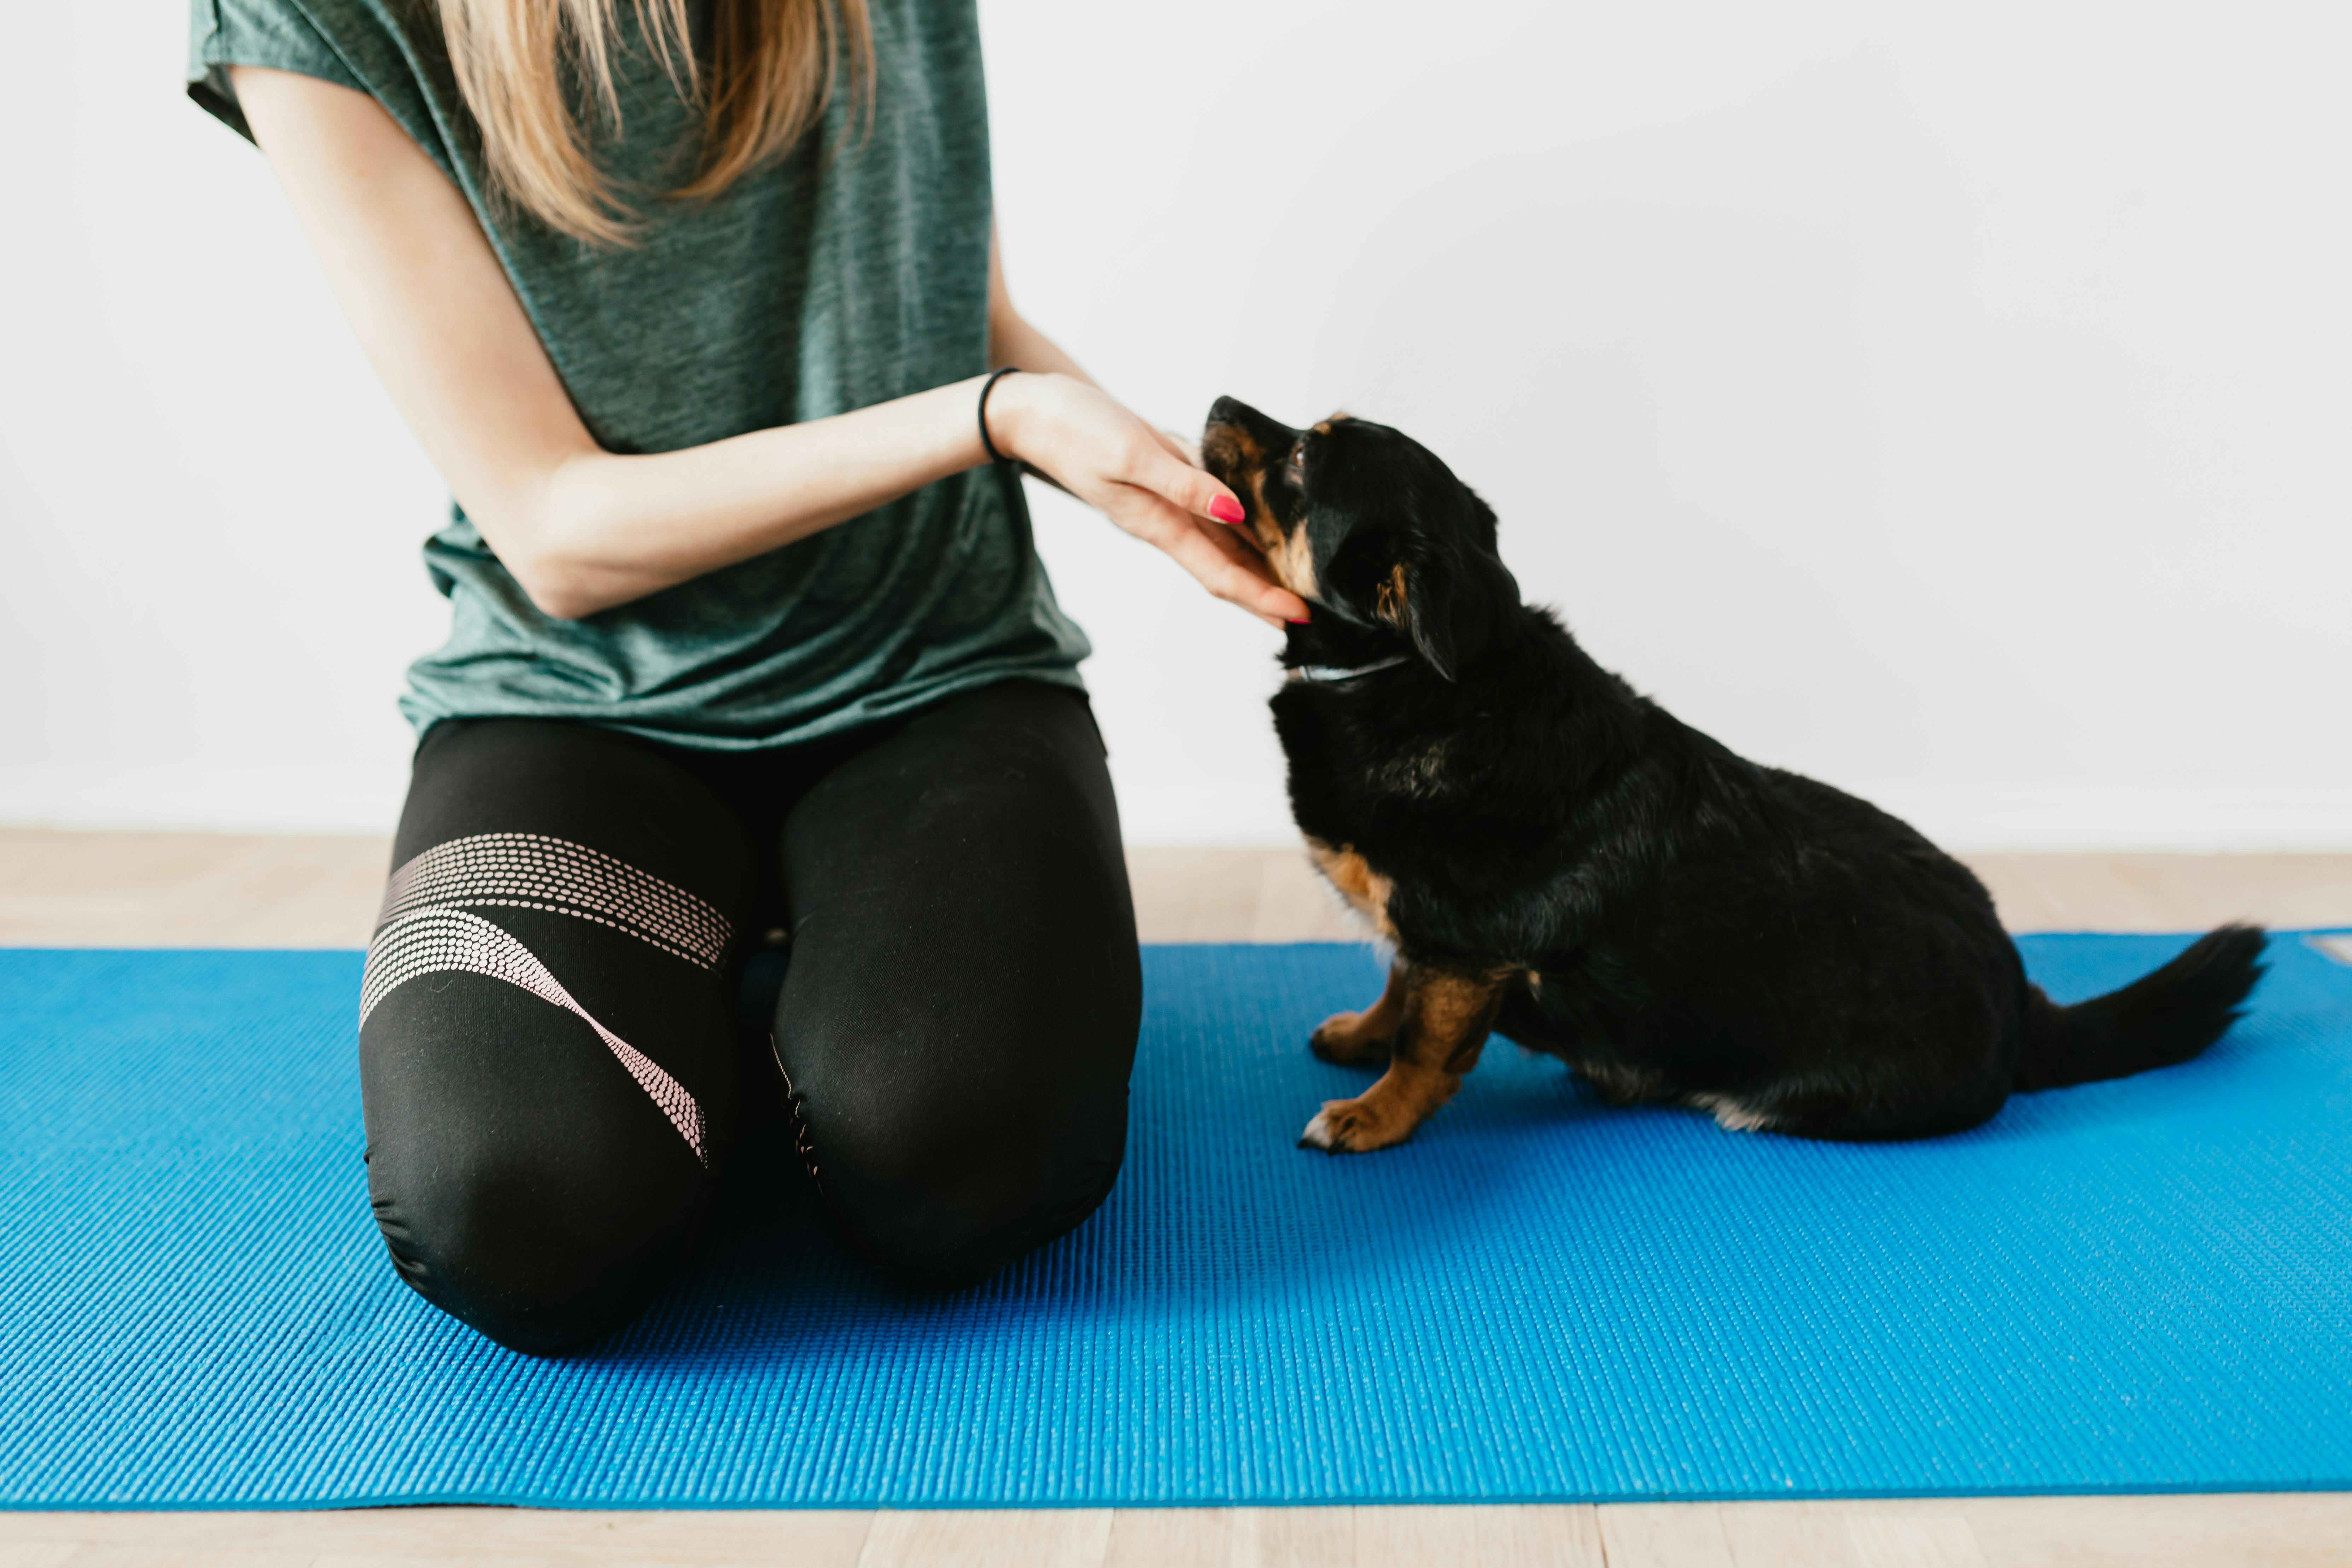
551	1067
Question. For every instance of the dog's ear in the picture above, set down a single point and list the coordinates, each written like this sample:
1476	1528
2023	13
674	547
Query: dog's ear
1416	597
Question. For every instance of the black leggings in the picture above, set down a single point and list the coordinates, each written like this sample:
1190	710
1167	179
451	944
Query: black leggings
549	1046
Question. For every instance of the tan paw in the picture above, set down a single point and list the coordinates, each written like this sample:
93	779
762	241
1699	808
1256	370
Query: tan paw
1354	1127
1343	1039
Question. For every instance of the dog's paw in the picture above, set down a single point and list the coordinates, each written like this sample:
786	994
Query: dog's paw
1353	1126
1342	1039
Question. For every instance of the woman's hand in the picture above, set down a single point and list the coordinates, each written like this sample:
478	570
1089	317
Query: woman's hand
1084	440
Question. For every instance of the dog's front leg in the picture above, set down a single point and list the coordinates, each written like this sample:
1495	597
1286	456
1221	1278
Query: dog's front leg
1362	1039
1444	1014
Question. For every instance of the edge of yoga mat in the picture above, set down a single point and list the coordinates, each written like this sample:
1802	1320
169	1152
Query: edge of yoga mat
507	1493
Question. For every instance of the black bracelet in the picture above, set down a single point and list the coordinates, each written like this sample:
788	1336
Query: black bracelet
986	387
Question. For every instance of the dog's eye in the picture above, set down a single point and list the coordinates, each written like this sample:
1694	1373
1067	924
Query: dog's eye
1297	462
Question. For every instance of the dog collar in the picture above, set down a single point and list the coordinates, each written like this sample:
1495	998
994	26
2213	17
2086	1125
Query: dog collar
1326	674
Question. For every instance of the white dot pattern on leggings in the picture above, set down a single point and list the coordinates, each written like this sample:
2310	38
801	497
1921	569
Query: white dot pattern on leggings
533	871
437	940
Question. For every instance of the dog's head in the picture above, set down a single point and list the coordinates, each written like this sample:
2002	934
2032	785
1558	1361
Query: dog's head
1365	522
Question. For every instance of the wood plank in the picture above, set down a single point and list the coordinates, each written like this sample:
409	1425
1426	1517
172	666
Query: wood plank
1192	895
2288	1530
1539	1535
168	1557
145	889
1295	904
2166	892
1664	1536
991	1538
1415	1536
1171	1538
1293	1537
1791	1535
1883	1539
562	1538
188	890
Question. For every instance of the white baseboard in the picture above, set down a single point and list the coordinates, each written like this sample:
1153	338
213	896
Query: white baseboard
366	799
180	798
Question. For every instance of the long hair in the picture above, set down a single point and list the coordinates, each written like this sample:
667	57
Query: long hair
773	65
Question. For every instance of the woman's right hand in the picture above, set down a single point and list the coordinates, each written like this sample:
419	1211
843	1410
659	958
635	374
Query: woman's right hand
1090	443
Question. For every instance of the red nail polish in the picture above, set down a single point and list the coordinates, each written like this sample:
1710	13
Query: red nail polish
1225	508
1299	622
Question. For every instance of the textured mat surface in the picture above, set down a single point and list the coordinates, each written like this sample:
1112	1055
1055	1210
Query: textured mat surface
2145	1285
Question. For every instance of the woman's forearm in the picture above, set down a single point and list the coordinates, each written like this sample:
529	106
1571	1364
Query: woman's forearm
603	528
608	528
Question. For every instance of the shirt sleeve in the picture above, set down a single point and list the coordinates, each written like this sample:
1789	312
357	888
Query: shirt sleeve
274	33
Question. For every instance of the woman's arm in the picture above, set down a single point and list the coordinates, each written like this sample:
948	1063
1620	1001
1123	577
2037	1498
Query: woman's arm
585	529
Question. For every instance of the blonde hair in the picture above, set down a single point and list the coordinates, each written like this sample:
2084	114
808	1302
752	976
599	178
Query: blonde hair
772	68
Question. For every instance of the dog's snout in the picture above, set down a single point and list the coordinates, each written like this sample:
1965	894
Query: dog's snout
1247	434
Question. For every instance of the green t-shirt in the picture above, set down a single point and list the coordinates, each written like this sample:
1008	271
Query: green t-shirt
853	272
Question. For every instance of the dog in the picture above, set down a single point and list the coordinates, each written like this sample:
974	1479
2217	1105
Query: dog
1558	859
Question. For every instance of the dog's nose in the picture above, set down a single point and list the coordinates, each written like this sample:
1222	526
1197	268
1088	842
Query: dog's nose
1231	411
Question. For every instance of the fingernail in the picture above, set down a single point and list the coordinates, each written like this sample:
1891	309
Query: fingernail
1225	508
1299	622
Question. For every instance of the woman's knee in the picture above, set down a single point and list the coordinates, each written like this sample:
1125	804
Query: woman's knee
541	1257
525	1181
942	1191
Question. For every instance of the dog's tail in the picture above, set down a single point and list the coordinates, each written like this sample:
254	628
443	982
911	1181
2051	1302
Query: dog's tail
2163	1018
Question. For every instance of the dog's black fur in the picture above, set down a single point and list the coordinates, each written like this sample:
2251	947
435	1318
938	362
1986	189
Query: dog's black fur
1606	883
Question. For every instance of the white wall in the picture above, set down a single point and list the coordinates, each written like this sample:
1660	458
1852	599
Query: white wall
1952	402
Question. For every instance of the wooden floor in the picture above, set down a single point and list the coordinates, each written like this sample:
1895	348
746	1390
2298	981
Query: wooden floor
199	890
136	890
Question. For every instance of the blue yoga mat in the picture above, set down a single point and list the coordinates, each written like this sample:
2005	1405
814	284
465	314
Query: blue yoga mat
2137	1286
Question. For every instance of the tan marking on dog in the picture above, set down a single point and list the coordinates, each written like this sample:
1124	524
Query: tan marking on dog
1340	418
1447	1014
1362	1039
1367	891
1263	530
1390	603
1230	440
1290	557
1294	563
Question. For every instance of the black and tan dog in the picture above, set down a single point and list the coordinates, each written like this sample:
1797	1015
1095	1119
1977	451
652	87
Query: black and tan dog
1558	859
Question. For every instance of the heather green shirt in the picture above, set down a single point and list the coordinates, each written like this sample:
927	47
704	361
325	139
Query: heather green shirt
854	271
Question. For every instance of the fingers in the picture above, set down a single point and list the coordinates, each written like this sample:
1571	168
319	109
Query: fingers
1194	489
1187	449
1277	602
1150	482
1216	559
1236	543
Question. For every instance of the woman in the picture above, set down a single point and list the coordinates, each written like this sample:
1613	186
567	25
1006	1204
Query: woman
695	303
